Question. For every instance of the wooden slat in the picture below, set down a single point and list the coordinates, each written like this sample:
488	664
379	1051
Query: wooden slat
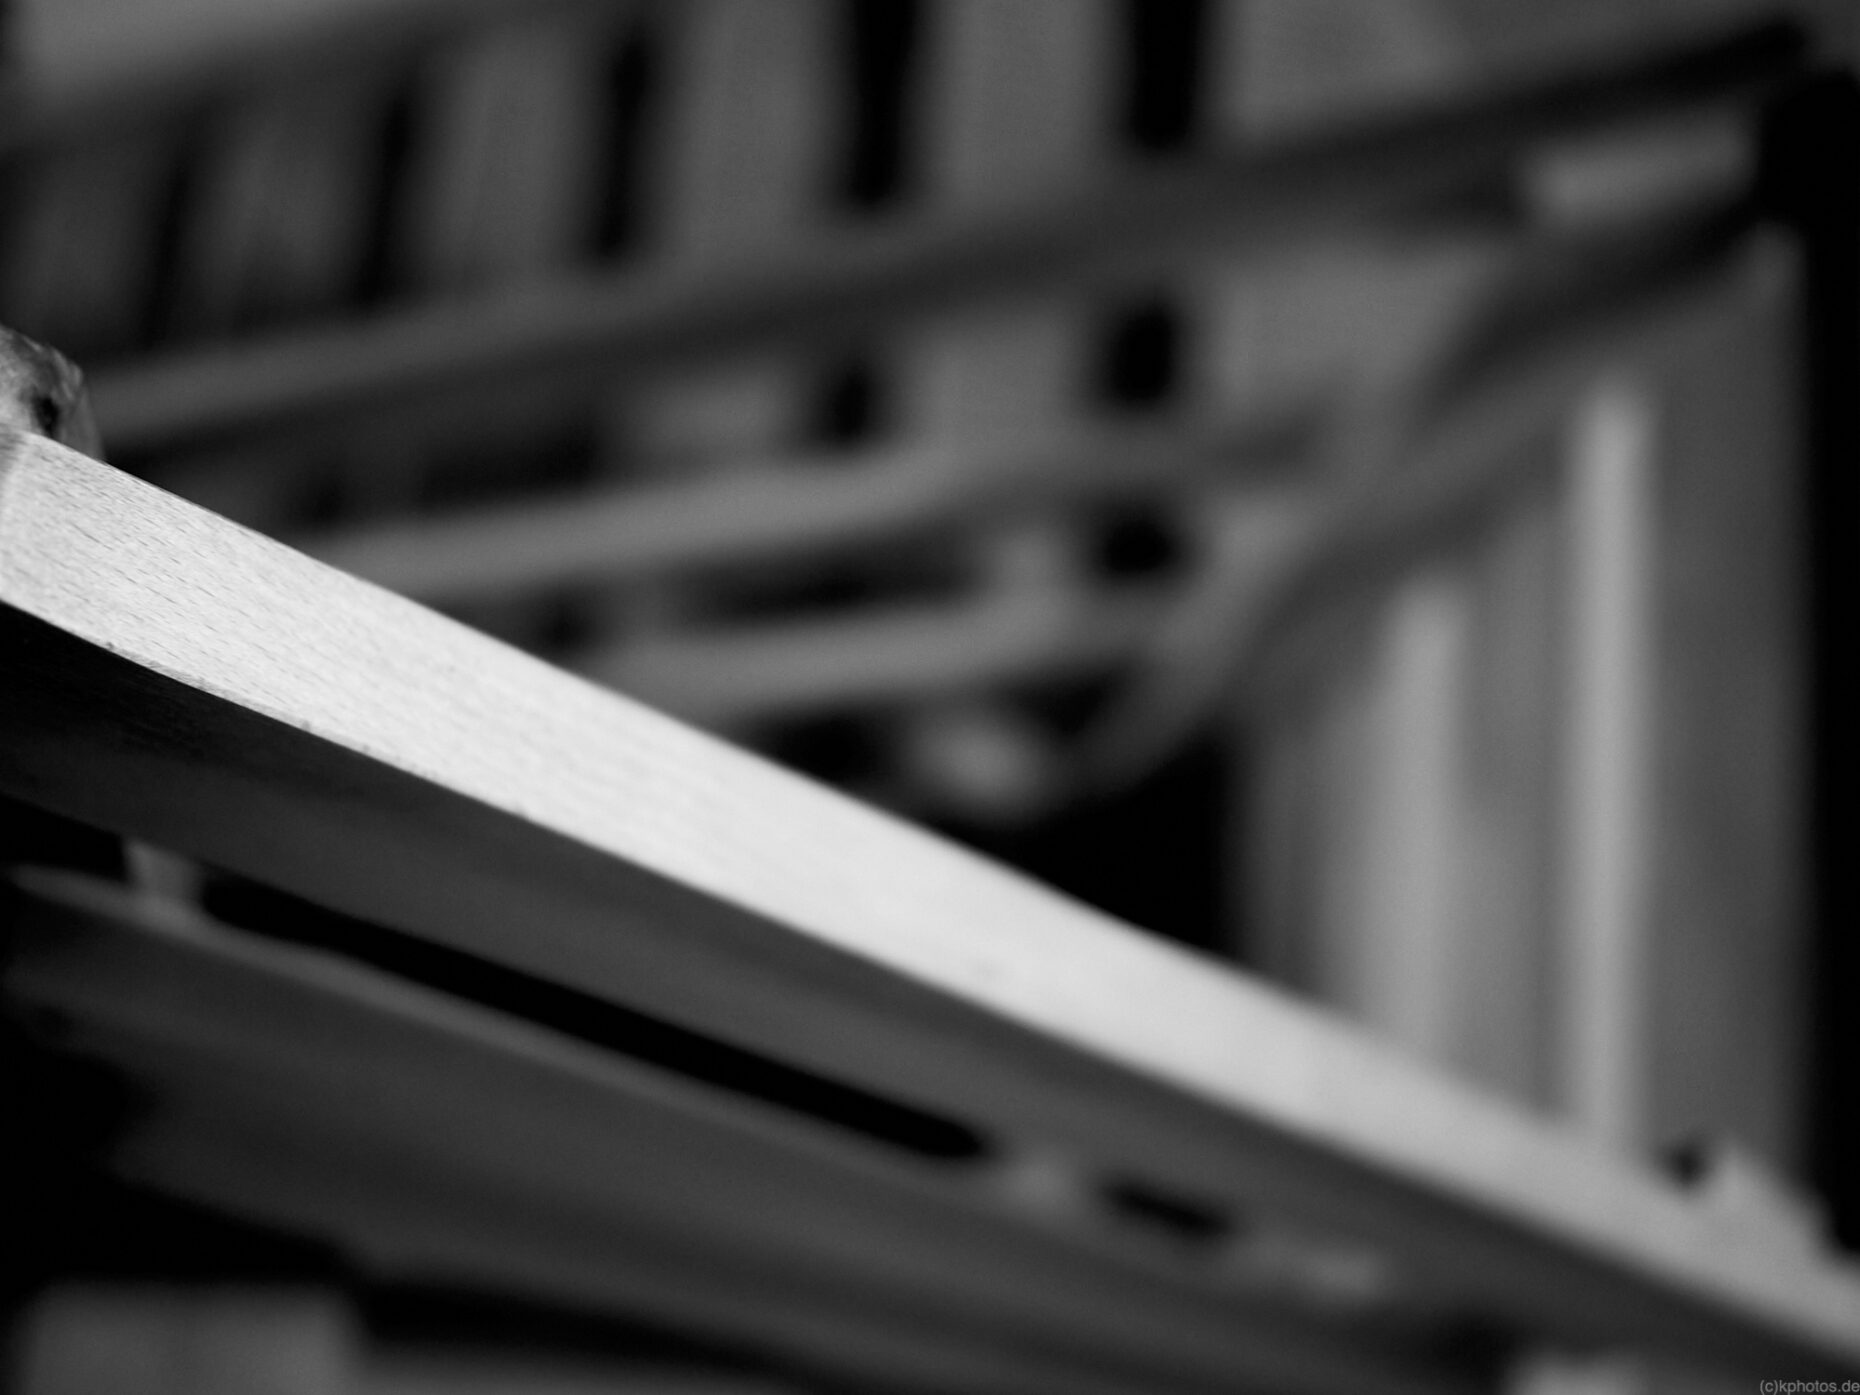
1503	1020
1403	949
1602	962
294	1087
177	678
1141	222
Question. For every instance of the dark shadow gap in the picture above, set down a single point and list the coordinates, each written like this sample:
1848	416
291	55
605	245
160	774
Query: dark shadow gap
623	1031
881	40
1166	40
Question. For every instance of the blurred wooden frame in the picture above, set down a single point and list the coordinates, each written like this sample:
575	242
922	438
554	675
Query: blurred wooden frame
583	328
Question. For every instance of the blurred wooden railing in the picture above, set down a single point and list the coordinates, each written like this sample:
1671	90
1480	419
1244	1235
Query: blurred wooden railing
475	245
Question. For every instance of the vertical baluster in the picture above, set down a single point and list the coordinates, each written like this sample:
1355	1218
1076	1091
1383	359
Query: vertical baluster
1337	827
279	224
1017	102
1268	884
277	230
1255	339
744	169
1426	845
1502	1026
1409	930
1343	319
501	188
1728	951
1609	697
83	242
505	187
741	164
1425	839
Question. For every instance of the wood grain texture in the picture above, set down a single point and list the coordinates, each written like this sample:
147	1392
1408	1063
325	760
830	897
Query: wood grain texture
175	677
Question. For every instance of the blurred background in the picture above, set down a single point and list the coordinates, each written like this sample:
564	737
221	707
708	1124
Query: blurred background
1357	488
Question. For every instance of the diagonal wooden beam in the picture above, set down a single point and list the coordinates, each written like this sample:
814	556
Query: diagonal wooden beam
174	677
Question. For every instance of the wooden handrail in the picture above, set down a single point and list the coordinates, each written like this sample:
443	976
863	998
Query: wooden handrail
174	677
